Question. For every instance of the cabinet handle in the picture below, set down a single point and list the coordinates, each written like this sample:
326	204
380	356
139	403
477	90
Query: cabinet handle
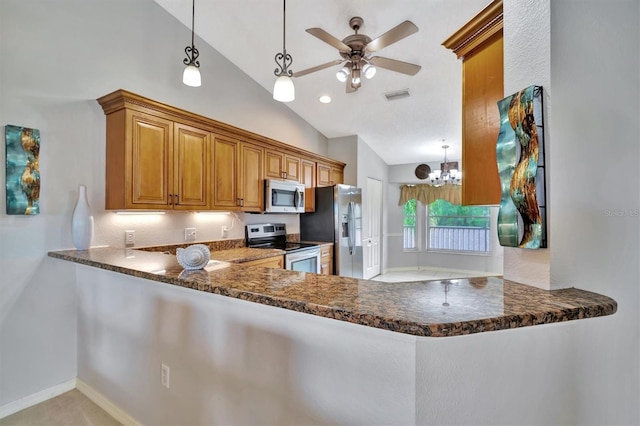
241	202
238	202
170	199
177	201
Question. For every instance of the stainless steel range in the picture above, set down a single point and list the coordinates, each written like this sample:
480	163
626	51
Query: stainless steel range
298	256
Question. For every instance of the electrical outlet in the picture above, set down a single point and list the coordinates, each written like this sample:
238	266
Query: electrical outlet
129	238
189	234
224	231
165	376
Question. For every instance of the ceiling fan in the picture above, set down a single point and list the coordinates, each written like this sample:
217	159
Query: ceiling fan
356	50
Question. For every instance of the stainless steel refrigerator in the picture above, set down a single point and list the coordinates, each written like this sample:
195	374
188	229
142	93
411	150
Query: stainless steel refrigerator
338	219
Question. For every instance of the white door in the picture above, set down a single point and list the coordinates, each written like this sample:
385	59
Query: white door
372	252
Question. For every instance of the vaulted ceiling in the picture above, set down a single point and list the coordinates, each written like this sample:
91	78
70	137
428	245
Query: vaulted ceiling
409	130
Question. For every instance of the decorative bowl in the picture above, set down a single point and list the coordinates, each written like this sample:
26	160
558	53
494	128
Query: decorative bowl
193	257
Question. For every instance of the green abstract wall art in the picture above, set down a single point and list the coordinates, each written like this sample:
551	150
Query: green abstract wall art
22	170
520	157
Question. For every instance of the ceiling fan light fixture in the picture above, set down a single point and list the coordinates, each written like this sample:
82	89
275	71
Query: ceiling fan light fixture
343	74
283	89
369	71
355	77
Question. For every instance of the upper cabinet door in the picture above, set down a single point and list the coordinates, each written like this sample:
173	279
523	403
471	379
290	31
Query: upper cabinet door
479	44
191	167
251	178
292	168
151	162
226	160
279	165
324	175
274	166
337	175
308	175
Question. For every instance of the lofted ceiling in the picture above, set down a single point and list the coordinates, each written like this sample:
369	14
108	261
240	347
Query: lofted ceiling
409	130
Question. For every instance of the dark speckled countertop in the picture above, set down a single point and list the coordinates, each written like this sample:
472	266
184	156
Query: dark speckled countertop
430	308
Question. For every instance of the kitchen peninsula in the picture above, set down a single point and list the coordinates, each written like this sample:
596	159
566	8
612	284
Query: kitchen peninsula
436	308
237	357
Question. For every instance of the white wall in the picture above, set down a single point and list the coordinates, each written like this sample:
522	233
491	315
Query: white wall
57	58
595	226
235	362
345	149
527	59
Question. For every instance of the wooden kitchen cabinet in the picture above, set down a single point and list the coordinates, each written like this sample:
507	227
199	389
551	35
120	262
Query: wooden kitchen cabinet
226	169
251	177
237	175
191	152
154	163
324	174
337	175
282	165
159	157
268	262
326	259
480	46
308	179
328	175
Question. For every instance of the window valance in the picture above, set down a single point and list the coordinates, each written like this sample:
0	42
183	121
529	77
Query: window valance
427	194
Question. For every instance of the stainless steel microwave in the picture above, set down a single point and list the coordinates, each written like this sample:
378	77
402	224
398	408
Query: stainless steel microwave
283	197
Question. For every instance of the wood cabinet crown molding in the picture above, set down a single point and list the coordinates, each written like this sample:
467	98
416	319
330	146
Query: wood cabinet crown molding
480	28
123	99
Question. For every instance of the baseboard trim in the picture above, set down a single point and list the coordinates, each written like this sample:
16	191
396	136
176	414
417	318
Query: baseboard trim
106	404
36	398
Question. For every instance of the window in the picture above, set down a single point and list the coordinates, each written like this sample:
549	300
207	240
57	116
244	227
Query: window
458	228
447	227
409	225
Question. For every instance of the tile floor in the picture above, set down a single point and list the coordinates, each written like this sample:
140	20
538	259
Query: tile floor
70	409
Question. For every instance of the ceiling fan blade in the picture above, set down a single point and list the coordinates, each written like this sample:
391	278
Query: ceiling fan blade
397	33
393	65
316	68
328	38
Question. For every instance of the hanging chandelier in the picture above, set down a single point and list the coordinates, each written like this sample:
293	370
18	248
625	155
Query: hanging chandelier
191	74
447	174
283	89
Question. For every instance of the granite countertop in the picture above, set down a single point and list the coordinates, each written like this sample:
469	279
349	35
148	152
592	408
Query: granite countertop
430	308
244	254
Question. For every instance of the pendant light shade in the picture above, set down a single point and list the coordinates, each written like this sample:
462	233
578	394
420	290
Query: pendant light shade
191	74
283	89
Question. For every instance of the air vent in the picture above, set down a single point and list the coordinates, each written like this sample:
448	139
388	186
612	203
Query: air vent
400	94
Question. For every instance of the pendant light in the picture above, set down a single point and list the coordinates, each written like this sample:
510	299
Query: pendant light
283	89
191	74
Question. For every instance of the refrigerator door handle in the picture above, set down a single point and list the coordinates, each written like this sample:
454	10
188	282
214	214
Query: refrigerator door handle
351	226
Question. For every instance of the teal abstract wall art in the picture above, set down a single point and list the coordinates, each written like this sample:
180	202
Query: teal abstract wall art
520	157
22	170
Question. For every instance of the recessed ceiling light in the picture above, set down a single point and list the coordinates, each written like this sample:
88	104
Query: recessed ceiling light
325	99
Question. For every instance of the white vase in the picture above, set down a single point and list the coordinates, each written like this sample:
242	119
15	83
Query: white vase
82	221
